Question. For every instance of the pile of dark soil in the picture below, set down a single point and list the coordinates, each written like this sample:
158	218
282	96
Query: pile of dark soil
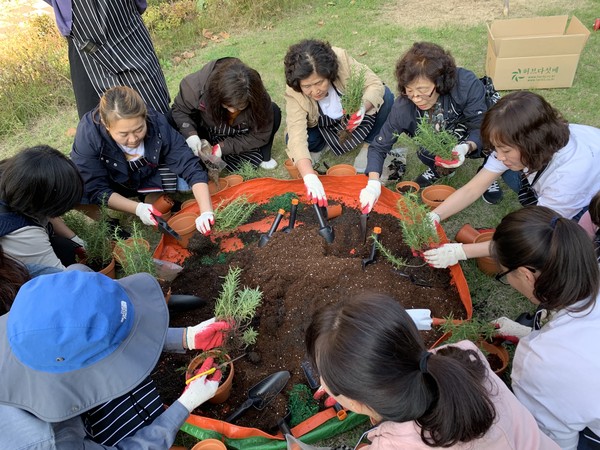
298	273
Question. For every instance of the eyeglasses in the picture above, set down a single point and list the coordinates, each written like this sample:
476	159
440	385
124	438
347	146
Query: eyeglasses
501	277
315	84
418	93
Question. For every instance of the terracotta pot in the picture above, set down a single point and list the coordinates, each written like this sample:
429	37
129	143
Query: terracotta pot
224	389
497	350
487	264
434	195
164	203
334	211
466	234
234	180
118	252
404	187
189	202
292	169
209	444
213	188
109	270
185	225
177	447
341	170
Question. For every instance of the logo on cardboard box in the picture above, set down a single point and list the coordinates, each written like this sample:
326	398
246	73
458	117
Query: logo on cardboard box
547	73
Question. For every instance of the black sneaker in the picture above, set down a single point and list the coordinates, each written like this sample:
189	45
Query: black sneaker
493	194
427	178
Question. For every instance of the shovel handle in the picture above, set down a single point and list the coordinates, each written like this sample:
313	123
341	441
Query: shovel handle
241	410
437	322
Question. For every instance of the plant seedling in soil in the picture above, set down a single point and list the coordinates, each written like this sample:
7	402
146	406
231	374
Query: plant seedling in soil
417	230
435	139
96	234
473	330
136	255
352	98
237	212
237	306
247	171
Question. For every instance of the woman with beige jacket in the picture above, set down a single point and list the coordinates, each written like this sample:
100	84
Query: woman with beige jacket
317	76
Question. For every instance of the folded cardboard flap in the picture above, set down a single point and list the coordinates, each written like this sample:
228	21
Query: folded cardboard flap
539	52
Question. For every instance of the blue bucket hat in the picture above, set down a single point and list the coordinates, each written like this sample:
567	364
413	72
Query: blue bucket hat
75	340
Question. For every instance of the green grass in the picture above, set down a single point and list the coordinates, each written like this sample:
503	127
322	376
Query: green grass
368	33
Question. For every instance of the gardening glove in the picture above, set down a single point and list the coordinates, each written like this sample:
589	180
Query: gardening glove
369	196
328	401
195	143
204	222
144	211
201	389
434	218
216	151
444	256
78	241
314	189
511	330
459	152
206	335
355	119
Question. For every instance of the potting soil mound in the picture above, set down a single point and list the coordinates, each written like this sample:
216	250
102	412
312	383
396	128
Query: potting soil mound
298	273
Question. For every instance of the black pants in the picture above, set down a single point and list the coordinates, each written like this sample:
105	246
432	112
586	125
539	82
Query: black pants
588	440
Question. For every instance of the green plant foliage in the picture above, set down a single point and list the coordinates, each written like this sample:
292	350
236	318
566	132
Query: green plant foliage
237	306
352	97
438	142
237	212
417	230
163	18
472	330
301	403
206	260
137	258
247	171
96	234
278	202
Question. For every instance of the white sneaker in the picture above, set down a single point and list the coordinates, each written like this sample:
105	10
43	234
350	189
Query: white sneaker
360	162
269	165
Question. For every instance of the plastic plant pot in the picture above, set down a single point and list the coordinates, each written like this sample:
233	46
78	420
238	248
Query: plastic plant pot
164	203
224	389
109	270
185	225
487	264
341	170
292	169
213	188
233	180
405	187
209	444
466	234
334	211
498	351
434	195
191	201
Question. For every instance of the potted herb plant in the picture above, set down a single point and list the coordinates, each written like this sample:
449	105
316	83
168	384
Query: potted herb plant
133	253
417	230
352	99
438	141
230	216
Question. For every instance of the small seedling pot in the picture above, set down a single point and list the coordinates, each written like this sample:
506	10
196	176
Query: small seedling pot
185	225
405	187
224	389
466	235
118	251
292	169
213	188
164	203
334	211
234	180
434	195
209	444
498	351
341	170
191	201
487	264
109	270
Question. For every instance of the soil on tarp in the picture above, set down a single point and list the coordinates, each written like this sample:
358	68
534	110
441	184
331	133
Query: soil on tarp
298	273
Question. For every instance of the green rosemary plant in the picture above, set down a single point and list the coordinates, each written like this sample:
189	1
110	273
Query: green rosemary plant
438	142
134	253
417	230
237	212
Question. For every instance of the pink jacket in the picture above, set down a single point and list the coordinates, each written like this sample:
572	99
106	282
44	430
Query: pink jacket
515	428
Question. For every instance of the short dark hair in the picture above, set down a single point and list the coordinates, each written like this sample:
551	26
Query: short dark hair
368	349
528	122
235	84
40	182
539	238
306	57
426	60
595	209
13	275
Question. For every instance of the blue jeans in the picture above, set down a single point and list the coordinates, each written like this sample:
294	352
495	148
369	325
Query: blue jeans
316	141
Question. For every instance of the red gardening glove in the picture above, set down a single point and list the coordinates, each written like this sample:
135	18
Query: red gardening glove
216	151
355	119
329	401
206	335
459	153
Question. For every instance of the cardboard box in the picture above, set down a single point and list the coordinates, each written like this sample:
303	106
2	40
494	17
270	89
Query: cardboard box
540	52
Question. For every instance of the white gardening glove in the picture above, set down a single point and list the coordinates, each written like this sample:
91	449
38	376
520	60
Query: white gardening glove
314	189
511	330
216	151
201	389
78	241
444	256
355	119
195	143
144	211
204	221
459	152
421	318
206	335
369	196
434	218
